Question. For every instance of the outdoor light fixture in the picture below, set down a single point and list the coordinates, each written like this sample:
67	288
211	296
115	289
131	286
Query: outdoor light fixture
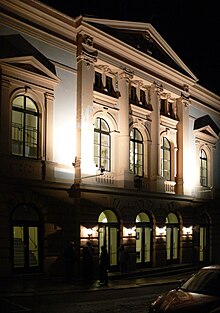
187	230
161	231
89	232
130	231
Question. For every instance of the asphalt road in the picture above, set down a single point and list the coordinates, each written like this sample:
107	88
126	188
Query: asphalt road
132	300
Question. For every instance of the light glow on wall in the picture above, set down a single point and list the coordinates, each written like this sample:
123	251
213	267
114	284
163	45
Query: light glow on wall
189	174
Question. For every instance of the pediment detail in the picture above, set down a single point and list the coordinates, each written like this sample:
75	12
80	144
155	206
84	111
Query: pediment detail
144	38
206	129
18	52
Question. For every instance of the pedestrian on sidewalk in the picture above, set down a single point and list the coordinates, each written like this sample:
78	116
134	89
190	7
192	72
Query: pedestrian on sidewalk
123	258
70	260
103	266
88	263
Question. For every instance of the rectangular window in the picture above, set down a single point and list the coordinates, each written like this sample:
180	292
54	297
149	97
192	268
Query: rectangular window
109	86
133	96
162	106
142	97
98	82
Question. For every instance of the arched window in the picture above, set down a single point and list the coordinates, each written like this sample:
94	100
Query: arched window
165	158
102	144
203	168
25	127
136	152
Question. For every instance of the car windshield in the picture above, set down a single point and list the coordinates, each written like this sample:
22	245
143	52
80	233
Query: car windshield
204	282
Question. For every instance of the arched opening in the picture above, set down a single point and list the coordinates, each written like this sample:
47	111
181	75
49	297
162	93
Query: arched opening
172	238
108	235
26	239
25	127
143	240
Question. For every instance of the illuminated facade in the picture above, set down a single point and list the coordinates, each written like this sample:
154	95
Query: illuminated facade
105	134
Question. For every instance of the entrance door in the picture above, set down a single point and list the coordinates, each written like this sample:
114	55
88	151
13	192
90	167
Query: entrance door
172	238
25	247
203	244
108	235
143	239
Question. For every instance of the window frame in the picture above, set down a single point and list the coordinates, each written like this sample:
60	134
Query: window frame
25	112
203	160
101	133
163	148
134	167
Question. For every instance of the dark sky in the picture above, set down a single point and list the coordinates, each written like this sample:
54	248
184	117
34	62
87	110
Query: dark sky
190	27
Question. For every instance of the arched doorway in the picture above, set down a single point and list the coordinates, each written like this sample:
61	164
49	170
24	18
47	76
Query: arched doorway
26	239
108	235
143	240
172	238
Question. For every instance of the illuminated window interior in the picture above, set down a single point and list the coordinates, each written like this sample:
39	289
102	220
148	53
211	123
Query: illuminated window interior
25	124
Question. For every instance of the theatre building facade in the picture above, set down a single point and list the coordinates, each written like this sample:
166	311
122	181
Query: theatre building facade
105	135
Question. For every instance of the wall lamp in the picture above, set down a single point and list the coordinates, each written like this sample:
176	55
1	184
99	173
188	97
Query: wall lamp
161	231
89	232
187	230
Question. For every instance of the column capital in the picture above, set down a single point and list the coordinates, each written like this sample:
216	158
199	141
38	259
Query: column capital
126	74
85	50
158	88
185	96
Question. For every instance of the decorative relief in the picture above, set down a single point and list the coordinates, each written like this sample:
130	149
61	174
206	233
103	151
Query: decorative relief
158	88
85	49
185	96
126	74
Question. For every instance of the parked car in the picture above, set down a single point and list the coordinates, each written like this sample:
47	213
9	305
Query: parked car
199	293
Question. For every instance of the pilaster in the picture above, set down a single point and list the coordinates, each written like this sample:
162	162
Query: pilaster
124	136
86	57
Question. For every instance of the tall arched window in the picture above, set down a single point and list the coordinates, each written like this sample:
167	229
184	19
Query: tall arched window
165	158
102	144
25	127
136	152
203	168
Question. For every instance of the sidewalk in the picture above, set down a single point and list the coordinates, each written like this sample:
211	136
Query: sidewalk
29	285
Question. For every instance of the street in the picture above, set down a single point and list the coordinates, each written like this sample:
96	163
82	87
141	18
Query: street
132	300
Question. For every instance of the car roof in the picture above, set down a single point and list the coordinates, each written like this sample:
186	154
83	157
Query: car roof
212	267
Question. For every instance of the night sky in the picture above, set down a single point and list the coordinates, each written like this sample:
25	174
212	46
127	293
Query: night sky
190	27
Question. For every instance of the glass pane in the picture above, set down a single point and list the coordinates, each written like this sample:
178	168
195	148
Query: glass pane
18	102
175	242
138	244
138	135
104	126
17	132
168	237
31	136
101	238
147	246
33	246
19	247
113	246
202	245
30	105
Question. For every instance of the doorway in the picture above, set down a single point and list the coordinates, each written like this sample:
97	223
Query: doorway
143	240
108	235
26	240
172	238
